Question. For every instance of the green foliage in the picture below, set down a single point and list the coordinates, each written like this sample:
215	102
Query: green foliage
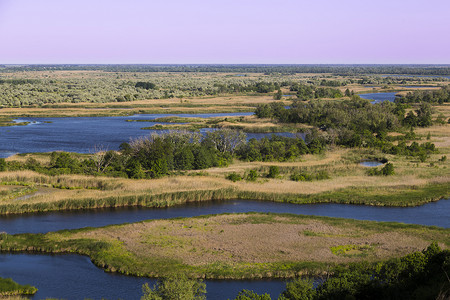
351	250
299	289
439	96
274	148
386	170
278	95
2	165
234	177
251	295
8	287
303	176
274	171
175	287
145	85
252	175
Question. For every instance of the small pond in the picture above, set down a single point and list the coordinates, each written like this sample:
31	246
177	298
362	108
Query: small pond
370	163
379	97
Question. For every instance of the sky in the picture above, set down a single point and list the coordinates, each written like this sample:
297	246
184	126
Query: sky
224	31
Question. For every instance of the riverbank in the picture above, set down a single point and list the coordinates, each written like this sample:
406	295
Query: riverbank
414	183
234	246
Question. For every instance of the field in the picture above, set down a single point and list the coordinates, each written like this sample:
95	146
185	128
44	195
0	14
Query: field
235	246
414	183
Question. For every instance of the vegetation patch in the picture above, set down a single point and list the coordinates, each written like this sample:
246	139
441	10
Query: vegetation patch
352	250
9	287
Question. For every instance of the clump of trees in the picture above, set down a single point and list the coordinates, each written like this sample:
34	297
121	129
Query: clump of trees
276	148
306	92
175	287
352	123
439	96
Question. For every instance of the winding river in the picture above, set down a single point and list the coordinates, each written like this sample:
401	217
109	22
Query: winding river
75	277
433	214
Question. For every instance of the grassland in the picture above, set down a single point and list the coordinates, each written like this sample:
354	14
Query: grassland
414	183
237	246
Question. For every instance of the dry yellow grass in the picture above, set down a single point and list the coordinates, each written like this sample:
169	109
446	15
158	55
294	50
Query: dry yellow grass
257	238
344	173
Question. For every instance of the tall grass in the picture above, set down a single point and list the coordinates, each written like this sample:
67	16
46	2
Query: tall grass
396	196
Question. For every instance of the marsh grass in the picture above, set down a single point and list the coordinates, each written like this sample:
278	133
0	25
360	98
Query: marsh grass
224	246
8	288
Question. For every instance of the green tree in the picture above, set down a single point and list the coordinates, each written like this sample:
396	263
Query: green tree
2	164
388	169
134	170
278	95
175	287
299	289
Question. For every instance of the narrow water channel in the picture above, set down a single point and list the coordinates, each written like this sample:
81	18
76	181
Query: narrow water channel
434	213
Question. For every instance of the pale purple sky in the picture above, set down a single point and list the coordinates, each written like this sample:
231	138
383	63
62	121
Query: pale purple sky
219	31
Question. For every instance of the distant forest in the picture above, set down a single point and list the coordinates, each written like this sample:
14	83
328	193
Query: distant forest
435	70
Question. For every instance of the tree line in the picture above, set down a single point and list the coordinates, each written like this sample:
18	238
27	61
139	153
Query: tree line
159	155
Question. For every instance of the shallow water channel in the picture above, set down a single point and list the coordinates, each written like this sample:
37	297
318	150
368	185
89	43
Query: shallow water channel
434	213
75	277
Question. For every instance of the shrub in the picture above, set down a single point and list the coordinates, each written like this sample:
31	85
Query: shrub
388	169
252	175
274	171
234	177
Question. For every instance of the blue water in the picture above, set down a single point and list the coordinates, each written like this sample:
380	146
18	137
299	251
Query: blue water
75	277
407	75
435	213
371	163
84	134
379	97
72	276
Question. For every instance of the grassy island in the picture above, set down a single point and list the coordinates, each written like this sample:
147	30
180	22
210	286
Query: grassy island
234	246
8	287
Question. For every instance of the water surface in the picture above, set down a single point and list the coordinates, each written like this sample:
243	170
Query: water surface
435	213
378	97
371	163
85	134
70	276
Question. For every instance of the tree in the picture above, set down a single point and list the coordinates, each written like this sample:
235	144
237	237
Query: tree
175	287
226	140
278	95
348	93
299	289
2	164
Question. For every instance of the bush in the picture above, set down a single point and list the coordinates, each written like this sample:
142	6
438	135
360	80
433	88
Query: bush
387	170
252	175
274	171
234	177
